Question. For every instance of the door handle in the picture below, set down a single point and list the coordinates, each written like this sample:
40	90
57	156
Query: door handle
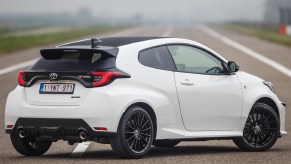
186	82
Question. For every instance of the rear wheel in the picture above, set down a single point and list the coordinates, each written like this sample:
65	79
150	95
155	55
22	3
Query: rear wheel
261	130
135	134
166	143
29	148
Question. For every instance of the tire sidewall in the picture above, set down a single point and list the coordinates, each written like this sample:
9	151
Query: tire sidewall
122	136
262	106
23	147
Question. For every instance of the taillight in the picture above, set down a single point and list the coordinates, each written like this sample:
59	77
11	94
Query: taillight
21	78
100	128
103	78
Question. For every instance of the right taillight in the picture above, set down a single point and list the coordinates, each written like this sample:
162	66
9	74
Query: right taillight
103	78
21	78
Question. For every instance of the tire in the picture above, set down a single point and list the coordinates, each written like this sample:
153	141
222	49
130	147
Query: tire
166	143
28	148
135	134
261	130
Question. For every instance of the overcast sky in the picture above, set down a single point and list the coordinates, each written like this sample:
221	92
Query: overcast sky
148	9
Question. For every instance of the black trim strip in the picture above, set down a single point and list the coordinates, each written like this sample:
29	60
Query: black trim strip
56	128
284	104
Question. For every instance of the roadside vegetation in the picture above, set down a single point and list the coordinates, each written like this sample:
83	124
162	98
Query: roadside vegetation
269	33
10	43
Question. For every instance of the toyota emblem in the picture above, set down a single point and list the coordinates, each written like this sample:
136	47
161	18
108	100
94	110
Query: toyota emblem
53	76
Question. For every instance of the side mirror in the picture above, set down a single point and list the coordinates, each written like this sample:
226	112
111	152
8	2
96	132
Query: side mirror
232	67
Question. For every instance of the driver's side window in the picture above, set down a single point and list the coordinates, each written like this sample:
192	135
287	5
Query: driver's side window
194	60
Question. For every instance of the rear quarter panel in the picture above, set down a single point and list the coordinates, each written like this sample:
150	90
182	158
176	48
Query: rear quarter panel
149	85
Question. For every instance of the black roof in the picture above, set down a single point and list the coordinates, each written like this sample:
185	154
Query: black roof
112	41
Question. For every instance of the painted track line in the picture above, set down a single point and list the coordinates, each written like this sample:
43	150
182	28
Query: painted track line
246	50
17	66
28	63
80	149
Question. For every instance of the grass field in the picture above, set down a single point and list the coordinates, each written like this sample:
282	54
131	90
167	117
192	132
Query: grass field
262	32
10	44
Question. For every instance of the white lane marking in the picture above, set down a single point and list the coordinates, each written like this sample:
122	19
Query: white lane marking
17	66
246	50
168	32
31	62
80	149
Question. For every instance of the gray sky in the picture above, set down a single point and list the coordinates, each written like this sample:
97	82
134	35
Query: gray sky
148	9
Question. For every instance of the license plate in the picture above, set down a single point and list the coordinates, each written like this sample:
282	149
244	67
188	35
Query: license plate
56	88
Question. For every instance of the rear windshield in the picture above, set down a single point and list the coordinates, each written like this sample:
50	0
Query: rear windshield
74	60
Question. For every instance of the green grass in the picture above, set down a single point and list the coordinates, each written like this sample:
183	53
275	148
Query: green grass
16	43
4	30
266	33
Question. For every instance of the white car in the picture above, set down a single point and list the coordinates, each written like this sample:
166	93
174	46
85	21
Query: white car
135	92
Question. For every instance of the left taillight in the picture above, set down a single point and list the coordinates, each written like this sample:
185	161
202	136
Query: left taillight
21	78
103	78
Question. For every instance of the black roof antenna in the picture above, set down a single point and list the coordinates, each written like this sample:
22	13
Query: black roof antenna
95	42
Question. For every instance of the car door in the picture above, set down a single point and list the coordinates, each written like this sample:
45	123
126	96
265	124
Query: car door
210	99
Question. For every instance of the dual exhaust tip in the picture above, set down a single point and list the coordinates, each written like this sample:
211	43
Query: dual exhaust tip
81	134
21	133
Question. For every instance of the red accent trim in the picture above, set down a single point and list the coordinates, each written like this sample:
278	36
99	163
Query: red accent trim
106	77
20	78
9	126
100	128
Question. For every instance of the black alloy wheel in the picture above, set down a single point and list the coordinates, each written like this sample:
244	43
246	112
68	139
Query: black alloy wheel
28	147
261	130
138	132
135	134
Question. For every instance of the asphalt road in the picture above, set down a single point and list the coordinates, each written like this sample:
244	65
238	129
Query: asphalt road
185	152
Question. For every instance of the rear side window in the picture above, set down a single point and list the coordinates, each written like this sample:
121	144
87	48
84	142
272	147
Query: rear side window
74	60
158	57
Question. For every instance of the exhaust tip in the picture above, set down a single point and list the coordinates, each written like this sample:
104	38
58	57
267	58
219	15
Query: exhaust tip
82	135
21	133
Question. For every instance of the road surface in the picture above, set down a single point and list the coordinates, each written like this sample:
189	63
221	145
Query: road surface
269	61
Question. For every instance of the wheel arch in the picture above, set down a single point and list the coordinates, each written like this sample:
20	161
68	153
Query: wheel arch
263	98
270	102
150	111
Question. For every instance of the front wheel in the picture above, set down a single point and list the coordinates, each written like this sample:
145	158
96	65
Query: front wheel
261	130
135	134
29	148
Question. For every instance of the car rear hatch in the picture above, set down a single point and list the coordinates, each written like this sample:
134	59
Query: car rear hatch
64	76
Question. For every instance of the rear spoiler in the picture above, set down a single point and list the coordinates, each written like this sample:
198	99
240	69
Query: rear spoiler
50	52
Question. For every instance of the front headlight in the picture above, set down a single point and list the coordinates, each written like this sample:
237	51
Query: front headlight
270	85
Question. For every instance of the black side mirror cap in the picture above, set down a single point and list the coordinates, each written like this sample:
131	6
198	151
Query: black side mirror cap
232	67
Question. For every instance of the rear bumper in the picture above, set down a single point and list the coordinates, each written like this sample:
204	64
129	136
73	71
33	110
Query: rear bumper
96	111
57	129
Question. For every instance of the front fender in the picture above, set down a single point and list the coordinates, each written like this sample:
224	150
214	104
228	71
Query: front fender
253	90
